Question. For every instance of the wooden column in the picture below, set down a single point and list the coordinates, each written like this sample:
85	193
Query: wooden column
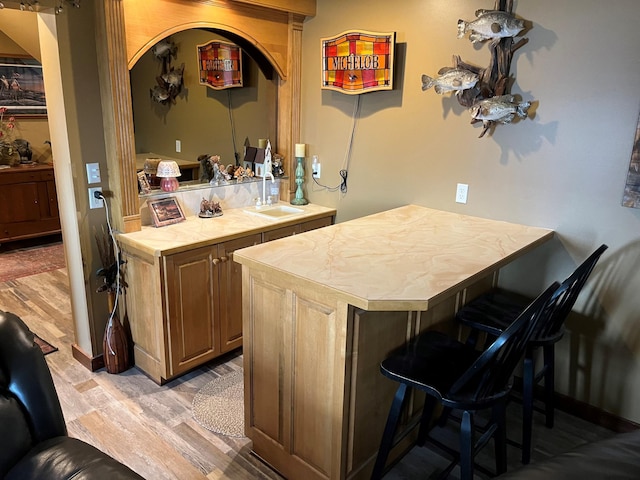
115	92
289	97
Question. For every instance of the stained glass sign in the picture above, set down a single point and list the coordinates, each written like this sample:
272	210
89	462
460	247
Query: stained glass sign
355	62
220	65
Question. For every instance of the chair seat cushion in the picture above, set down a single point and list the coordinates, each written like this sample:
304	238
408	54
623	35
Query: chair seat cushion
616	458
61	458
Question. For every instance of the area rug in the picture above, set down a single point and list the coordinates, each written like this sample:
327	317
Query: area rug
45	346
219	405
30	261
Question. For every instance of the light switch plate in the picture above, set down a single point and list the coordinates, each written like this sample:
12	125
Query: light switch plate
93	173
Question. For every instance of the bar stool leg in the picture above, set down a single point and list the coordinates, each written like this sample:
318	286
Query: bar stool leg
389	431
527	405
466	446
549	383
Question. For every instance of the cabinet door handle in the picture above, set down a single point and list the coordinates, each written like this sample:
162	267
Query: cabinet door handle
215	261
224	258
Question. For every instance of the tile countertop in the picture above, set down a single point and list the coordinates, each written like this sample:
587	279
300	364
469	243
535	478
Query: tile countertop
196	232
401	259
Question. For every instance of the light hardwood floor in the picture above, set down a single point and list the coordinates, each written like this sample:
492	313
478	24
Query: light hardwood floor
151	429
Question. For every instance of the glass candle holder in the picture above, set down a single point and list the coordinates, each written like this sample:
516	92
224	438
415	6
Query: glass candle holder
169	184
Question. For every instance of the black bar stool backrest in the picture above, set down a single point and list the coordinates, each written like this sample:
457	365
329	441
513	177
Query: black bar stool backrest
491	372
565	297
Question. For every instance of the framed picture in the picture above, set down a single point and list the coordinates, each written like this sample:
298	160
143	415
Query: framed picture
22	86
143	181
165	212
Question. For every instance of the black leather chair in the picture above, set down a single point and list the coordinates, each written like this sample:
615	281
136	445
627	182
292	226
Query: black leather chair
459	377
493	311
33	436
615	458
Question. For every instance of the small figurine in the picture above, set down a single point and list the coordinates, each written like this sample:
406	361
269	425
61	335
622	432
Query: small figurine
241	173
278	162
209	209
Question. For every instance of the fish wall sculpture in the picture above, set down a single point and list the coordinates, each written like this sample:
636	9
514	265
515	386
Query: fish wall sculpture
169	82
450	80
500	109
485	91
490	24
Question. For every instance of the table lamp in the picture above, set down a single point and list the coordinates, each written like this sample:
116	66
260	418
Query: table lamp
168	170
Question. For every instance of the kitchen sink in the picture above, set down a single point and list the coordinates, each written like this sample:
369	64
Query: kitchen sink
278	211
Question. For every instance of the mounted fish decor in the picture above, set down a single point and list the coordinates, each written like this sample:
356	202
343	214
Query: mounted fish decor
169	82
501	109
490	24
450	80
485	91
165	48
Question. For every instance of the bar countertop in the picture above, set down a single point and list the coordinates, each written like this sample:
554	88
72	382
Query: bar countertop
400	259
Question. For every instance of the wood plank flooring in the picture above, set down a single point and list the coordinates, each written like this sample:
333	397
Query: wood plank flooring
151	429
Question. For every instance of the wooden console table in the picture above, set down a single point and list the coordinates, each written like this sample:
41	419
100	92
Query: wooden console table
322	309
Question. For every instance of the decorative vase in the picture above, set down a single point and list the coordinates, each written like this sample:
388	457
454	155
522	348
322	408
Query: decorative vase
115	343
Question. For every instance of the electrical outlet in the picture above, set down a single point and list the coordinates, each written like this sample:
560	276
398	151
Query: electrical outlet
93	201
178	146
315	167
461	193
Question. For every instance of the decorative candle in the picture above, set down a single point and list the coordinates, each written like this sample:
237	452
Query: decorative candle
262	143
301	150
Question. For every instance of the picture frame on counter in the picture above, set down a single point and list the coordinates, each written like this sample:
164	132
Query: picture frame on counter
143	181
166	211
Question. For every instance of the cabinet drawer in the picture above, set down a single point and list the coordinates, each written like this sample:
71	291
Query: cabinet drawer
281	233
315	224
15	231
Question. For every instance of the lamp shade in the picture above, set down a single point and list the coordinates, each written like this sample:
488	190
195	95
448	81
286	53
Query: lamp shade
168	169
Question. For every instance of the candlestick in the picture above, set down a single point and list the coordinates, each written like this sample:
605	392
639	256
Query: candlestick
301	150
299	199
262	143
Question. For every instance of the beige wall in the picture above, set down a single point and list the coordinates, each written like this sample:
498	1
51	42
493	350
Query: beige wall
200	116
564	169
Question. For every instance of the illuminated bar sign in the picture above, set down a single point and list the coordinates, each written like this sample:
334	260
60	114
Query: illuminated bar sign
355	62
220	65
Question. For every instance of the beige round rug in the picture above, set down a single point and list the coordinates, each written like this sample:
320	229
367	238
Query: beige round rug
219	405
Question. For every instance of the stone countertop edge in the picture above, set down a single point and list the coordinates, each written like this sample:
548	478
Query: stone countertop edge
196	232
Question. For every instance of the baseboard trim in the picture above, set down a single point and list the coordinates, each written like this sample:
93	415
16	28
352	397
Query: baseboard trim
90	363
583	410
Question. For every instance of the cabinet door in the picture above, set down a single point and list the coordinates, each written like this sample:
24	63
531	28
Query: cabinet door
191	296
230	304
21	203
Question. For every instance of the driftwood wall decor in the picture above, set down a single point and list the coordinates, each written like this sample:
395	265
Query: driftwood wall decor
485	91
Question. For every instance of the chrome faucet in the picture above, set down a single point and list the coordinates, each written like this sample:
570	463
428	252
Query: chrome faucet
266	173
